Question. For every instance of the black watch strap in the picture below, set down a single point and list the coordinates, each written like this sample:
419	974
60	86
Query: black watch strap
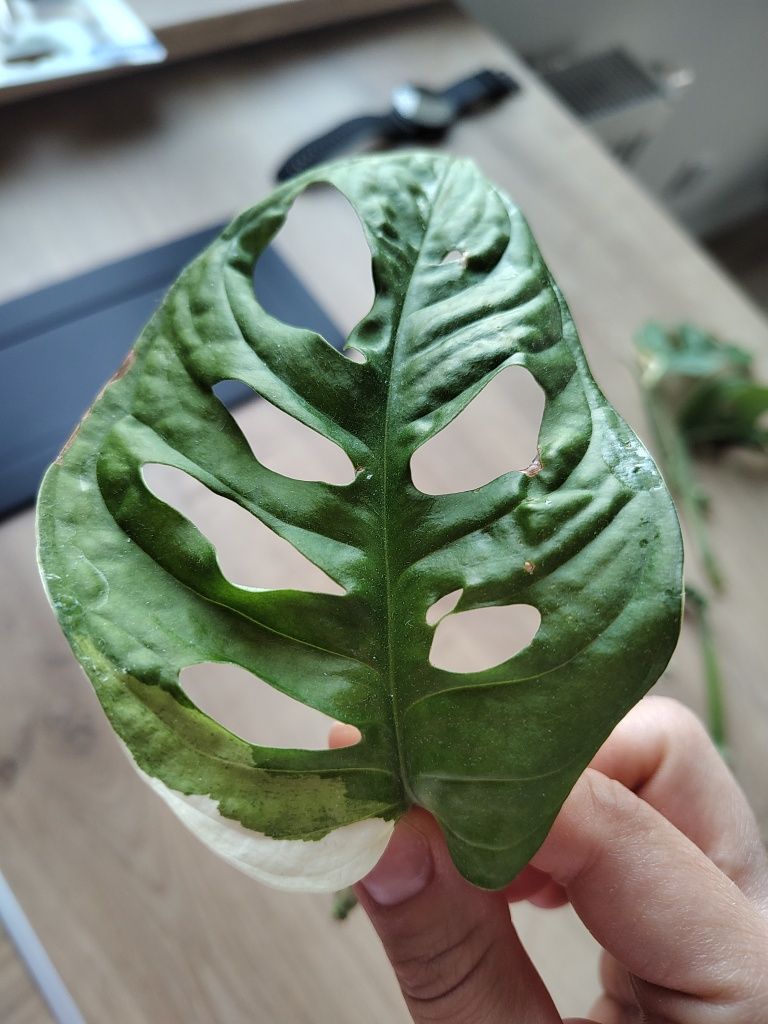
484	87
478	90
324	146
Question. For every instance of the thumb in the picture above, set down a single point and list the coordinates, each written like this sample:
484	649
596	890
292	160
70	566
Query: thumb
454	950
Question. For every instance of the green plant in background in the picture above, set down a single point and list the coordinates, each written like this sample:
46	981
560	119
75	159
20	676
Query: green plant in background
700	395
588	535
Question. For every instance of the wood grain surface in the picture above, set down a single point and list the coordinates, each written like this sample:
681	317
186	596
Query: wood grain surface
143	923
20	1001
188	28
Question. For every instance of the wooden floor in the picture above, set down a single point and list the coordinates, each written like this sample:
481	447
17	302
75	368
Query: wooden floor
143	924
743	250
20	1001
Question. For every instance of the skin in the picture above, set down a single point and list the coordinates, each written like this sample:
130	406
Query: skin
659	854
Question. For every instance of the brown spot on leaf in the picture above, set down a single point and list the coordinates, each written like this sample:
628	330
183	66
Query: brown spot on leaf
68	443
529	567
121	371
535	467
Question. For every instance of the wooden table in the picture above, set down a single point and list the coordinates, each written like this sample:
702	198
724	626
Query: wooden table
142	922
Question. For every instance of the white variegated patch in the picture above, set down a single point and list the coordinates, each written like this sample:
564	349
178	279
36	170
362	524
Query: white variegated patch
339	859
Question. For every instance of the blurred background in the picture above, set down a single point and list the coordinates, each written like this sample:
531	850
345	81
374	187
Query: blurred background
635	139
693	132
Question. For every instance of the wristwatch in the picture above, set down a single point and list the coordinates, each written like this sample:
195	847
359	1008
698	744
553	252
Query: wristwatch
417	114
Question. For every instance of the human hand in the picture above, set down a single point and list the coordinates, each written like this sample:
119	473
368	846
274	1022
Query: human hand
658	852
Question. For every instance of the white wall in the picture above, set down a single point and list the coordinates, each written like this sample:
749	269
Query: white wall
723	116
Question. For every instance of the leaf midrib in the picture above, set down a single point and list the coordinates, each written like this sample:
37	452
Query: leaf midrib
396	336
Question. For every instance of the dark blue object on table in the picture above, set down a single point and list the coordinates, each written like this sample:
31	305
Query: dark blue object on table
59	346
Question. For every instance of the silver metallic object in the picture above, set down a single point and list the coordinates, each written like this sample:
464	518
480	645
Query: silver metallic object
42	40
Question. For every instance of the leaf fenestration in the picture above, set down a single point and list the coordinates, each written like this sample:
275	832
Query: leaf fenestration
587	535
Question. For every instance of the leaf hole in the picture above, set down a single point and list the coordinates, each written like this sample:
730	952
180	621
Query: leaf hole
286	446
455	256
483	638
252	709
248	552
444	606
323	239
355	355
497	432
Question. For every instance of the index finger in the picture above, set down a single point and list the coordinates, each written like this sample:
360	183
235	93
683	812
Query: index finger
662	752
652	898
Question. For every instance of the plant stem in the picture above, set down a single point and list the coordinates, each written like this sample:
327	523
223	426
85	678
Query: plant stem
712	674
344	901
678	469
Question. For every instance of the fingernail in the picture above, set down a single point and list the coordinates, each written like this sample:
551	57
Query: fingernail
404	869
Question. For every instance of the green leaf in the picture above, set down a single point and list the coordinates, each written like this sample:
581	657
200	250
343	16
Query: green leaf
686	351
725	411
698	391
588	536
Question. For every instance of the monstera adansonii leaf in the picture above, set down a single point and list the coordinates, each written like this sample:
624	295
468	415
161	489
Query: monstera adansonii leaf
587	535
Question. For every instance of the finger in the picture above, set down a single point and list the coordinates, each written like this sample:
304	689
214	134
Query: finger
581	1020
654	900
526	884
616	981
550	897
454	950
662	752
608	1011
343	735
536	887
651	752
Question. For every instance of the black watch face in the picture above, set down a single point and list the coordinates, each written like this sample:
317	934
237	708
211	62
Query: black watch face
422	107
